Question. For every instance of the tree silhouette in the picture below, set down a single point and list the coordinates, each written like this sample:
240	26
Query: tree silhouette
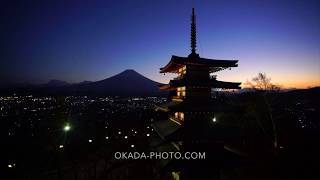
264	106
262	83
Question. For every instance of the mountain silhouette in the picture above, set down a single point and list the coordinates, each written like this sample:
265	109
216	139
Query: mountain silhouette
85	82
126	83
56	83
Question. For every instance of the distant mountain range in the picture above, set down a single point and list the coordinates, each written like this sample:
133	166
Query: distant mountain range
126	83
56	83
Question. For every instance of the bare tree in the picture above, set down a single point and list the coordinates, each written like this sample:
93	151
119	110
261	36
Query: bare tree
263	84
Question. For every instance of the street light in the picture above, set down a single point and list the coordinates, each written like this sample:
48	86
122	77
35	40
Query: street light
67	127
214	119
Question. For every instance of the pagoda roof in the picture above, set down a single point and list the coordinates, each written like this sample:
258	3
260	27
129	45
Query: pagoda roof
165	107
189	106
215	65
166	87
171	131
173	84
165	128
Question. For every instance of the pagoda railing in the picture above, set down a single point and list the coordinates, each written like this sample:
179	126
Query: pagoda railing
176	120
179	77
178	97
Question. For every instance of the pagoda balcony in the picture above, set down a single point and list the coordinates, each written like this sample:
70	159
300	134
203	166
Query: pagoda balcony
178	98
177	82
179	77
176	120
212	83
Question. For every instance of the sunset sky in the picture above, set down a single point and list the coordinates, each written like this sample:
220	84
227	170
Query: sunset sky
93	40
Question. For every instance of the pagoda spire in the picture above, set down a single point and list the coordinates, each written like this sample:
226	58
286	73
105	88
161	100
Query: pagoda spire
193	33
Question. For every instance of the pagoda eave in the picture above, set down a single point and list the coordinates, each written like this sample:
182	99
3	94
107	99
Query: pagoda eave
167	87
188	106
166	107
171	67
214	65
165	128
212	83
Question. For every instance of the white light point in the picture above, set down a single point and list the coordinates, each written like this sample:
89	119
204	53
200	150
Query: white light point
67	127
214	119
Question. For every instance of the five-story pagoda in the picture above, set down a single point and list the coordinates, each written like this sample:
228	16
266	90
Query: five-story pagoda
191	126
192	110
192	100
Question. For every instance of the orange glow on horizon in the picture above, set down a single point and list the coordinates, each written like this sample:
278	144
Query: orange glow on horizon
283	82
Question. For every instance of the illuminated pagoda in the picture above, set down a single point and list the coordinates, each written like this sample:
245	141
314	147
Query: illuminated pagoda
192	107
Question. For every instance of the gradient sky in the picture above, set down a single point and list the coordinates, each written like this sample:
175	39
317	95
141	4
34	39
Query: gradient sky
92	40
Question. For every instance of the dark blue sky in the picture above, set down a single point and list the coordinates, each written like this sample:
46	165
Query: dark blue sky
92	40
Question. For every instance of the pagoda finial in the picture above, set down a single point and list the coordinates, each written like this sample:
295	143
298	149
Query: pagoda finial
193	33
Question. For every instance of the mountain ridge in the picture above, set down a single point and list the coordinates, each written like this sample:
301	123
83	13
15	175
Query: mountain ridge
126	83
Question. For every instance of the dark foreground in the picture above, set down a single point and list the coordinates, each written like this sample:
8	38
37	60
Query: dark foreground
36	145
